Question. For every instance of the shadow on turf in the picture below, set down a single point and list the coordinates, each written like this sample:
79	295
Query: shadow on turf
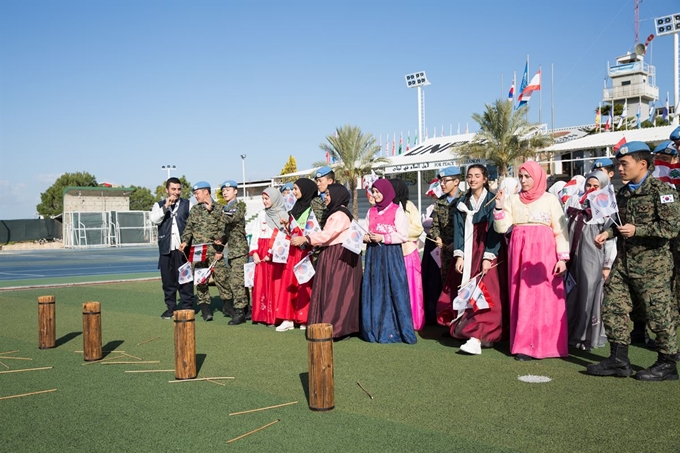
304	380
66	338
110	347
200	358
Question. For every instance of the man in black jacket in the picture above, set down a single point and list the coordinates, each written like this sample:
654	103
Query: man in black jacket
171	217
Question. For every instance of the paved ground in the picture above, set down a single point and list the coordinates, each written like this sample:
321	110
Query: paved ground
36	265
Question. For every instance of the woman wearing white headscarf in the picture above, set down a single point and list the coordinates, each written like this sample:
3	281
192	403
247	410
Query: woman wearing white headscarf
588	267
267	291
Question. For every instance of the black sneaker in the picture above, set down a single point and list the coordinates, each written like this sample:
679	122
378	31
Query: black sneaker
167	314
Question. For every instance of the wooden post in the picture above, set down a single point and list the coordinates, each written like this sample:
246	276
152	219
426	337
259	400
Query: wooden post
185	344
320	360
92	331
46	322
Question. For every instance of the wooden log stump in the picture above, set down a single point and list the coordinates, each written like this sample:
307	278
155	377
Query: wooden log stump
92	331
320	361
185	344
46	322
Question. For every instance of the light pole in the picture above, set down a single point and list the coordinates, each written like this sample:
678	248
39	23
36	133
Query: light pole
670	25
168	168
243	166
419	80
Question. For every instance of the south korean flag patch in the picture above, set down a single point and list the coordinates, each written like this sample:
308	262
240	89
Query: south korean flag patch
667	198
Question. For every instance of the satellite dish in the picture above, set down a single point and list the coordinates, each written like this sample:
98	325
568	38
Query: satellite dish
640	49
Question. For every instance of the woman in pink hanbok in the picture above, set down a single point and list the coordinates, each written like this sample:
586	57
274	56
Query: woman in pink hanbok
537	256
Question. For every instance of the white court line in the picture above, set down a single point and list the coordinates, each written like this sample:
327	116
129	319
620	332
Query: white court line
19	274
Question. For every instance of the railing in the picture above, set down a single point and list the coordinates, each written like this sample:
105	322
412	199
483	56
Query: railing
630	91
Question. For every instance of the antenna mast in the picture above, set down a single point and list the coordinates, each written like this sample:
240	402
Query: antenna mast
637	21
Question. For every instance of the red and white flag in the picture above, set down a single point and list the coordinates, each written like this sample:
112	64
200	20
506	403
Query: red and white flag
294	228
666	172
619	144
480	298
198	252
534	85
202	275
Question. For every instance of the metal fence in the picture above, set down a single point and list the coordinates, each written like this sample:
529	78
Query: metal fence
108	229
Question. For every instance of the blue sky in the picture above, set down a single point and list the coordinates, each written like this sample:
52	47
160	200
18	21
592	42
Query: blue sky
119	88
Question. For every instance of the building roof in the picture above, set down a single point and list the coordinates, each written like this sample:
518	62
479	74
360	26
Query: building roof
98	190
653	135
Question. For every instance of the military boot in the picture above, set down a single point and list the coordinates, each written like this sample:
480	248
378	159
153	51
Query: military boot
239	317
206	312
664	369
228	308
617	364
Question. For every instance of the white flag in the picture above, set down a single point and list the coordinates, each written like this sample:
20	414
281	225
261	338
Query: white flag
202	275
437	256
355	238
280	248
464	294
304	271
289	201
185	275
249	274
312	225
603	202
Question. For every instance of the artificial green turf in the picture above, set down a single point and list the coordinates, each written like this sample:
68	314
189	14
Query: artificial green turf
428	397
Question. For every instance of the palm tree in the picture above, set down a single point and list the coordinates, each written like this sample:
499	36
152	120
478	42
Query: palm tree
354	156
505	135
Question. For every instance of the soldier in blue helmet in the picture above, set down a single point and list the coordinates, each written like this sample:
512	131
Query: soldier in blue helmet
649	217
205	226
323	177
604	164
442	215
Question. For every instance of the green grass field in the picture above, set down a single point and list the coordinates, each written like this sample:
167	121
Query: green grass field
428	397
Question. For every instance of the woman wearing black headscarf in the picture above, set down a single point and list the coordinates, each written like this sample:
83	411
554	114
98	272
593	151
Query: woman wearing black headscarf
295	307
337	283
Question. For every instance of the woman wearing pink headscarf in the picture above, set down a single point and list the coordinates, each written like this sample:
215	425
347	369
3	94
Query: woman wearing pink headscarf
537	256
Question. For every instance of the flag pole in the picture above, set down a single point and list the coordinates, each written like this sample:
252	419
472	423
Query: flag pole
528	73
540	95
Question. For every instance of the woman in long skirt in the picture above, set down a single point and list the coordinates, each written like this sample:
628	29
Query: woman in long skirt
588	268
385	302
336	290
411	253
537	257
268	275
295	308
476	248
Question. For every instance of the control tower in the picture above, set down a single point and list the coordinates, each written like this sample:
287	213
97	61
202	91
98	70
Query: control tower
633	81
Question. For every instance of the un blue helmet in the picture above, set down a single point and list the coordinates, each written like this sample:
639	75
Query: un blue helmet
632	147
448	171
201	185
666	147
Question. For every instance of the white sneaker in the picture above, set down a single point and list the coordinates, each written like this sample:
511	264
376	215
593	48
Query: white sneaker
285	325
303	327
472	346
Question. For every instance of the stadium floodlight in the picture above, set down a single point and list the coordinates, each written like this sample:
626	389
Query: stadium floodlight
418	80
670	25
168	168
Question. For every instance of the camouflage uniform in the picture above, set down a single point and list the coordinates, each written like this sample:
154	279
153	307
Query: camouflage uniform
319	208
204	227
234	221
442	227
641	273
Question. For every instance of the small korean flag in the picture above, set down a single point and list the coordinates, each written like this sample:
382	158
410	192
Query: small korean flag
185	275
354	239
202	275
667	198
312	225
464	295
304	271
280	249
288	201
249	274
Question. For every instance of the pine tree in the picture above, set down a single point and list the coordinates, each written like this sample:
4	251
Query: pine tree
290	167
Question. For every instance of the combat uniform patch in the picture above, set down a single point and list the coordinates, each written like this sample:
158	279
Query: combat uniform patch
667	198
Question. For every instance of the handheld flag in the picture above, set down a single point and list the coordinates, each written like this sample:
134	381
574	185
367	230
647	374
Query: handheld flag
354	239
249	275
280	249
435	189
603	202
437	256
289	201
465	294
202	275
312	225
667	172
304	271
480	299
293	228
198	253
185	275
